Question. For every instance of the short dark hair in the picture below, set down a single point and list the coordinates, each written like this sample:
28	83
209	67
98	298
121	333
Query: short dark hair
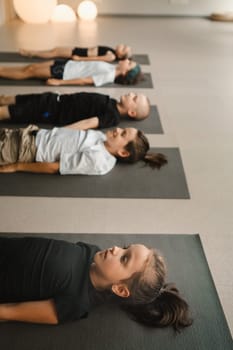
132	77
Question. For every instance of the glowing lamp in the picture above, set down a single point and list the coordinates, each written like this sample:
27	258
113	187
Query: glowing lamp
63	13
34	11
87	10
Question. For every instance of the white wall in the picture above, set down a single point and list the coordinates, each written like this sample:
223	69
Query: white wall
6	11
158	7
2	12
140	7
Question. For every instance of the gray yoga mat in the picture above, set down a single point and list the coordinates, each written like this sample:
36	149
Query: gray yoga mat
110	328
124	181
144	84
16	57
150	125
141	59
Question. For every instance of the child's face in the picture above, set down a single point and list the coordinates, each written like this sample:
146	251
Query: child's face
118	138
126	65
132	102
116	264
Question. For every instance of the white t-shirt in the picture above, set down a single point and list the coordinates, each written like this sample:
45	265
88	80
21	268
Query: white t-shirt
101	72
77	151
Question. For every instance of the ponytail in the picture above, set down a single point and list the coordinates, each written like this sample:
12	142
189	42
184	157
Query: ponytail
167	309
155	160
138	150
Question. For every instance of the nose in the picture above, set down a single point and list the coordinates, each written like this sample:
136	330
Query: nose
117	131
132	94
114	250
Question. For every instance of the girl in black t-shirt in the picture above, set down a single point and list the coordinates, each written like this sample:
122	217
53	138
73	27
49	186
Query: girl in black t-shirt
51	281
97	53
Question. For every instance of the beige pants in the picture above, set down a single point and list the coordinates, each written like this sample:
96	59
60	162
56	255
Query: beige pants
18	145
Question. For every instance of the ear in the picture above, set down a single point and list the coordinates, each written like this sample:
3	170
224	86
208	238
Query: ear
123	153
121	290
131	113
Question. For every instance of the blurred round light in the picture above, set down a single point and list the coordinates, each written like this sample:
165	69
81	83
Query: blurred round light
34	11
87	10
63	13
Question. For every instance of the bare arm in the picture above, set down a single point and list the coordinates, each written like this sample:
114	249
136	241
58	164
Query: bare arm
37	167
81	81
43	311
109	57
90	123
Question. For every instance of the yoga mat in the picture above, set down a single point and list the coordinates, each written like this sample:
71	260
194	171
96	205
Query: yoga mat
150	125
141	59
16	57
144	84
124	181
110	328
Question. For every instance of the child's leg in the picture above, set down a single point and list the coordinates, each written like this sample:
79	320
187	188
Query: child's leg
37	70
7	100
63	52
4	113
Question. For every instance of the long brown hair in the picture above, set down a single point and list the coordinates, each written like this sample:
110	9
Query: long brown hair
153	302
138	150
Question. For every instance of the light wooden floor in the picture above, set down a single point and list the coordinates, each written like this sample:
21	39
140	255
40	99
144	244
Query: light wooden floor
191	65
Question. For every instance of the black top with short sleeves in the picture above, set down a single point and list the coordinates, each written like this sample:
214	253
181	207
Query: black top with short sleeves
101	51
34	268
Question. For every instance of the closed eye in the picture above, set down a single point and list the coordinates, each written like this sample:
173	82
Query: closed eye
124	258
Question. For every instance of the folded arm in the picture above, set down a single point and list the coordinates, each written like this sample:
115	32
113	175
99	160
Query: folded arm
109	57
80	81
90	123
43	311
36	167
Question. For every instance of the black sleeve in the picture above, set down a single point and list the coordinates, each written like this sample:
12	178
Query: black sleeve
79	51
107	121
68	308
102	50
110	117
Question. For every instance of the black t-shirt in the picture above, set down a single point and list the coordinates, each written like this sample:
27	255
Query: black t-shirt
84	105
65	109
102	51
33	268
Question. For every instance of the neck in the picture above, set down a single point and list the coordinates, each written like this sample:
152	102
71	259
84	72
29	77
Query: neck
121	110
108	148
93	277
118	71
96	281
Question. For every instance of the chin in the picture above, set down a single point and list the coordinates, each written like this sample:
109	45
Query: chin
122	99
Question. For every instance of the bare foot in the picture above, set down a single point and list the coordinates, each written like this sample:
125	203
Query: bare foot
24	52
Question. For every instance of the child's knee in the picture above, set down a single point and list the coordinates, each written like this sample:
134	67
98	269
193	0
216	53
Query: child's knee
29	70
